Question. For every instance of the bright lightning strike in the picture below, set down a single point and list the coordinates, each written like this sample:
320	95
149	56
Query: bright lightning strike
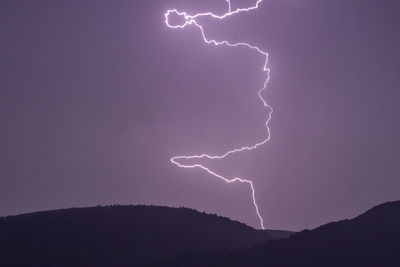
191	20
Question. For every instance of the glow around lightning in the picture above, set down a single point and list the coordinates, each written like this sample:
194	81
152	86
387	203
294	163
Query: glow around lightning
192	20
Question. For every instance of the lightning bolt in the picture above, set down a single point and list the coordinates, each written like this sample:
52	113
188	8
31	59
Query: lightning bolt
191	20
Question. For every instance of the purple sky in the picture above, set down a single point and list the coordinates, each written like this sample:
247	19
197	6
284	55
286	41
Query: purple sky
96	96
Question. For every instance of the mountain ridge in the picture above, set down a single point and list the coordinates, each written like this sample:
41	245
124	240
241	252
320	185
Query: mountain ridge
370	239
118	235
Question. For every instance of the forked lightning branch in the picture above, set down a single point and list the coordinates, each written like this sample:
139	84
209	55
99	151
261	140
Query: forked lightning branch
191	20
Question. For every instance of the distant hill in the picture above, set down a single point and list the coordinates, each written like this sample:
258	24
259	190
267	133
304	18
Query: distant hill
371	239
117	235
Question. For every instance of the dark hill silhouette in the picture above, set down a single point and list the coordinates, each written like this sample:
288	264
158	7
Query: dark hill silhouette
117	235
371	239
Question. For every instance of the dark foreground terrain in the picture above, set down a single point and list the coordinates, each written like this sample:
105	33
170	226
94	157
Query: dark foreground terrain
371	239
118	236
160	236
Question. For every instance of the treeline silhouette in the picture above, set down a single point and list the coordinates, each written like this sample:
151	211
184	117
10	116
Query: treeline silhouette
118	235
161	236
371	239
